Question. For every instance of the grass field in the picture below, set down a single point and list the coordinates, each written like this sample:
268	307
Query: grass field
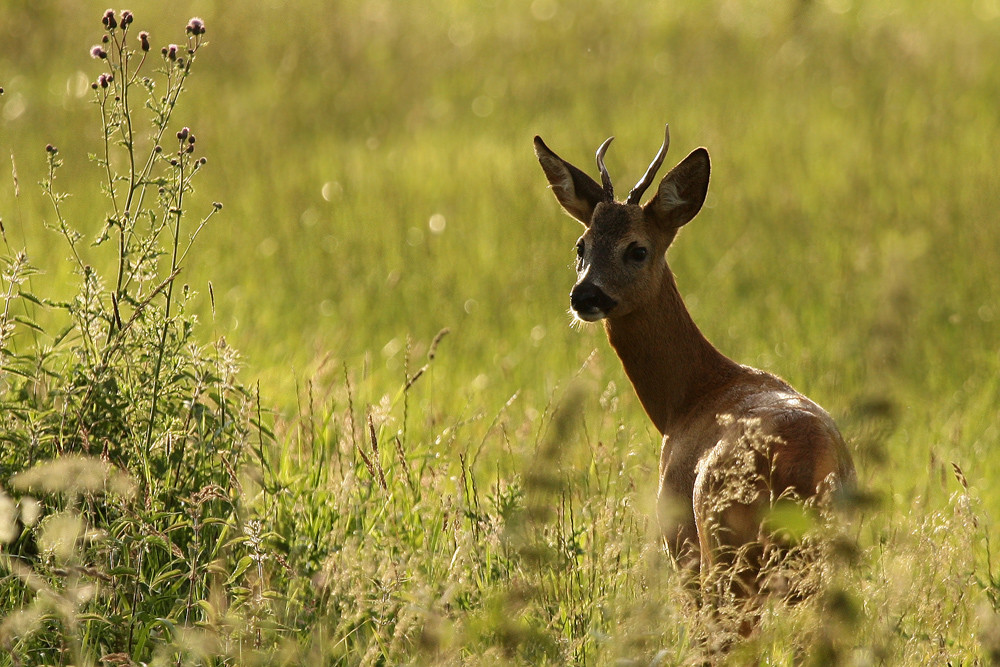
323	505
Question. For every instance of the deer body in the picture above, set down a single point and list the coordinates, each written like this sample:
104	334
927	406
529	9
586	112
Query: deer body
734	438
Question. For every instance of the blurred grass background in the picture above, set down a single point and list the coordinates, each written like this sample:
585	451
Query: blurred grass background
849	242
375	163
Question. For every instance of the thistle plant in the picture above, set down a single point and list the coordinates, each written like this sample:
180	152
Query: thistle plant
146	176
121	386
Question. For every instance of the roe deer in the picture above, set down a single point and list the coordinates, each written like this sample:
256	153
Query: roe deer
734	438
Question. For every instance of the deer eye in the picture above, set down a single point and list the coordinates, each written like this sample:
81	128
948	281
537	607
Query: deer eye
636	253
580	248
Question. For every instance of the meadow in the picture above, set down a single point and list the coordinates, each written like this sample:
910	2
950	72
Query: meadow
344	418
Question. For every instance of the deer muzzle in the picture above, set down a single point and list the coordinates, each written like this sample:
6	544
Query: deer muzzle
590	303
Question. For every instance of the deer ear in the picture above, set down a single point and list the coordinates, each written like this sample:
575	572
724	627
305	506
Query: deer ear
578	193
681	192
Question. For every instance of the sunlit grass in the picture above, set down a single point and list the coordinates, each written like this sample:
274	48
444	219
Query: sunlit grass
375	163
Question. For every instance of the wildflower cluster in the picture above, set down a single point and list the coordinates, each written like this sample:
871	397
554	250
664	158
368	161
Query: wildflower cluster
114	45
146	191
124	396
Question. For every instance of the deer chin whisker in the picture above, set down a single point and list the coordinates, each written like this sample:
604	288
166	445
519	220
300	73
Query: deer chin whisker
588	317
577	321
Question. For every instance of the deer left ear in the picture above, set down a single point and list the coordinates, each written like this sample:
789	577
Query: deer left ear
681	192
578	193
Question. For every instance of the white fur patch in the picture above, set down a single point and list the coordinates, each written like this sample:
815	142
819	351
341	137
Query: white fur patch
669	196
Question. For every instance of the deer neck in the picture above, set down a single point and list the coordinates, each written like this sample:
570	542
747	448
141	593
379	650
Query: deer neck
666	357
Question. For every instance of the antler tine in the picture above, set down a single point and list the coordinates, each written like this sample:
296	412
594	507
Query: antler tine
609	189
636	193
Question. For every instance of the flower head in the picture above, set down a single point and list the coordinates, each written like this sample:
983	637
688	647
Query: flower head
144	40
97	51
109	20
196	26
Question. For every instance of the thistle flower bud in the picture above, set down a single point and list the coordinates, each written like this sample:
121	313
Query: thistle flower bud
196	26
183	134
127	19
170	51
109	20
97	51
144	40
49	148
217	205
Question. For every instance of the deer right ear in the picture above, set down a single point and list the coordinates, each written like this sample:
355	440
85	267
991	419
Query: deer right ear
578	193
681	192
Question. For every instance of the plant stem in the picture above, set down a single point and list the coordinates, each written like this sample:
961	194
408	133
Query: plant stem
178	212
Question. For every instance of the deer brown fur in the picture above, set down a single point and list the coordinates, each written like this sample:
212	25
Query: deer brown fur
734	438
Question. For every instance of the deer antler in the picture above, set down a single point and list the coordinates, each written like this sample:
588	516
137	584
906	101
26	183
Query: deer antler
609	189
636	193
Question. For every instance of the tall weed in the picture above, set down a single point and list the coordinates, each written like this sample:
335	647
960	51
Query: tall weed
123	439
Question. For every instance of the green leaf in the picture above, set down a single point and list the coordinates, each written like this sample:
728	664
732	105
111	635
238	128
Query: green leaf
34	299
31	324
241	567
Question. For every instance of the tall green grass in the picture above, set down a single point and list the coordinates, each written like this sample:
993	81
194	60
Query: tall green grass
375	163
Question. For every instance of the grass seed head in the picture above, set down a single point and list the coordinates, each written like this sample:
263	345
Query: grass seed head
75	475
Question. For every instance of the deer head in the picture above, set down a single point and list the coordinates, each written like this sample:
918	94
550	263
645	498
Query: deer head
621	261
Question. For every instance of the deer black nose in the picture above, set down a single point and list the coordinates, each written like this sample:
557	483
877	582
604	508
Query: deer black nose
590	303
